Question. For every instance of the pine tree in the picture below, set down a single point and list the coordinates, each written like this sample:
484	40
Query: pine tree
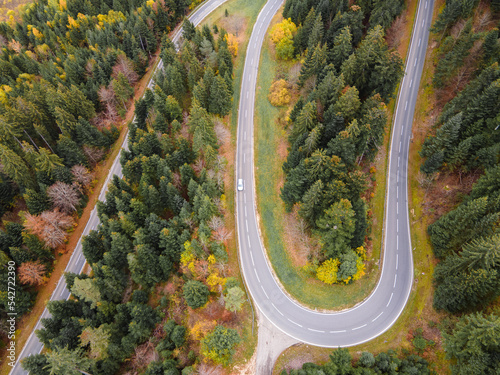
98	339
466	290
303	33
316	35
348	104
122	89
305	122
87	290
342	48
37	202
220	97
66	361
311	203
315	61
336	229
474	344
461	225
16	168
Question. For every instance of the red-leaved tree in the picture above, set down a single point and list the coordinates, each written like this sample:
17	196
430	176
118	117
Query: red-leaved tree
49	226
32	273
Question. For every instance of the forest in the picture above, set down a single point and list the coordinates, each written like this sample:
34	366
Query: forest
465	141
338	122
160	296
67	73
341	362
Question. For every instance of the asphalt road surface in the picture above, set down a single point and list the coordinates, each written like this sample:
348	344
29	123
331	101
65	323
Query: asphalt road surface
381	309
77	260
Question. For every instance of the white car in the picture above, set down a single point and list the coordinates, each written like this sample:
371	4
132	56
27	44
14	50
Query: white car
240	184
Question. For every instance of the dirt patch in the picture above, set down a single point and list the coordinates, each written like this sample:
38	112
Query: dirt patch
297	362
249	368
299	244
235	25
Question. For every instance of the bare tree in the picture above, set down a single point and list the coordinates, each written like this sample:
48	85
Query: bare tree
125	66
199	165
63	196
106	95
32	273
49	226
223	134
108	99
222	234
81	175
215	223
176	180
93	154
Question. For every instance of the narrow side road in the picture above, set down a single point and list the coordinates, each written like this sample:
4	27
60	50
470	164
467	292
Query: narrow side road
382	308
77	260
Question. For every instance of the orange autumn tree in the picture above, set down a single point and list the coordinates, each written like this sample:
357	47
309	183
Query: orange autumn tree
32	273
49	226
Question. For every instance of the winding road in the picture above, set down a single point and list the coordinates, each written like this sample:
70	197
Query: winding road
380	310
77	260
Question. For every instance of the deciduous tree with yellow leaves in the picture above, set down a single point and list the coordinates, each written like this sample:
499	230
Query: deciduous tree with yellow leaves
282	36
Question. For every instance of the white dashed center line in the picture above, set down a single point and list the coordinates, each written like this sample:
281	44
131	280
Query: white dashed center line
297	324
390	299
256	275
264	291
364	325
315	330
378	316
277	309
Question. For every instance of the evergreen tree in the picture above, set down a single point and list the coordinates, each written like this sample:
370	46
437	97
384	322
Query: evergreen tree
336	229
342	48
220	97
195	293
474	345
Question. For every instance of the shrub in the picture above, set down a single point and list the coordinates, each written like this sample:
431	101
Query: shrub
279	94
196	293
